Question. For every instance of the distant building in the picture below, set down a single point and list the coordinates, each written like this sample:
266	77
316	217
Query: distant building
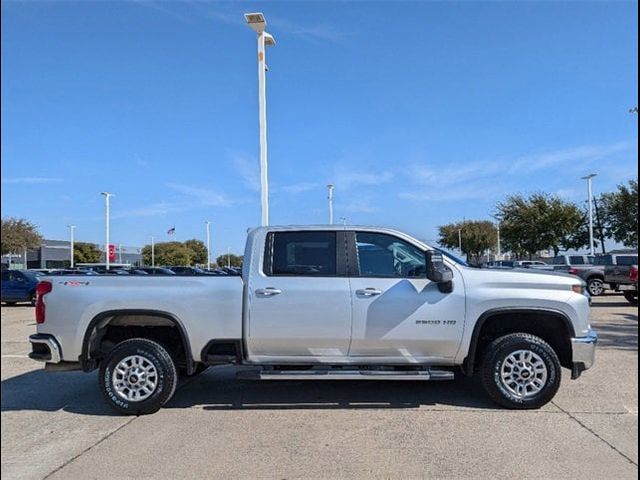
56	254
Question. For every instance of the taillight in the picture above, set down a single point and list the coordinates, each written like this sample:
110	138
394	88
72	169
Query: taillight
573	271
42	289
634	274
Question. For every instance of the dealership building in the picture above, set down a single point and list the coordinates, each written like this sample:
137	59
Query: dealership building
57	254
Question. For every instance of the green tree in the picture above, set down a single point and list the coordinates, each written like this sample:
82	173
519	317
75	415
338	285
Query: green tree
231	259
168	253
539	222
17	234
620	214
477	237
86	253
199	250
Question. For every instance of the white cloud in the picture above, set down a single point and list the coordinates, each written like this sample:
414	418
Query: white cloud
203	196
153	210
248	169
32	180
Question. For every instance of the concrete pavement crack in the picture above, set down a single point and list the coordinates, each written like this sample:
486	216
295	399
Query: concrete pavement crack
48	475
595	434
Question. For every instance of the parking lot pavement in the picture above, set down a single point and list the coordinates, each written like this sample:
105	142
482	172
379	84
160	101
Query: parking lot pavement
56	425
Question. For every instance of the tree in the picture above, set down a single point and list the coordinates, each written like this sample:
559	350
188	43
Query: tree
199	250
86	253
539	222
477	237
18	234
620	214
231	259
168	253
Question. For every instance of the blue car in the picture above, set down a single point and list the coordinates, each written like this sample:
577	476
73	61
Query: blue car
18	286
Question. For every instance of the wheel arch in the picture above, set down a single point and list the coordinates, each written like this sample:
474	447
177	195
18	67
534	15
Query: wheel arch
470	361
104	319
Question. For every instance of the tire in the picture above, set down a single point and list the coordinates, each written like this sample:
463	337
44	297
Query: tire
632	297
542	363
32	300
133	364
595	286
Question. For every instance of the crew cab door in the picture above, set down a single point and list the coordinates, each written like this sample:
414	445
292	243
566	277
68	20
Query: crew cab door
299	301
397	312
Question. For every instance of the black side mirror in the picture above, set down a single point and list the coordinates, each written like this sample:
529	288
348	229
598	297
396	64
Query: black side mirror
438	272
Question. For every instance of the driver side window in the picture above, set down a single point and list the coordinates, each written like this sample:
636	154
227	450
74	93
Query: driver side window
381	255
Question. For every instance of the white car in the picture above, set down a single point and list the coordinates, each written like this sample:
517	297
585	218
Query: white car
321	303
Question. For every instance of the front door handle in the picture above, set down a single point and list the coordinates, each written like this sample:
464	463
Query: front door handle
268	292
368	292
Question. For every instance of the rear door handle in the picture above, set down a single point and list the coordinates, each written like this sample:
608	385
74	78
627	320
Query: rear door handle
368	292
268	292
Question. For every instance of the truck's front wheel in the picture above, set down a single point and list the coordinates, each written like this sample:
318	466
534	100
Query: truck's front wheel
520	371
138	377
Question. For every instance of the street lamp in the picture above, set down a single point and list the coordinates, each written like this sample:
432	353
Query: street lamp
153	252
107	197
330	197
208	224
258	23
71	241
633	110
589	179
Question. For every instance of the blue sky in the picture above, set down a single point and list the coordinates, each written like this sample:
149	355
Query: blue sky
420	113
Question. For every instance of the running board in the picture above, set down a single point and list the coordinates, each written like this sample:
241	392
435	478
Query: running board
344	374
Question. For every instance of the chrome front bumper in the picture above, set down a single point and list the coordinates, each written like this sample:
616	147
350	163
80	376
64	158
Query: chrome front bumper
44	348
584	353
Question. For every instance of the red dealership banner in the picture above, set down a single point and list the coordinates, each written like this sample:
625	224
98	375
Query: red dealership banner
112	252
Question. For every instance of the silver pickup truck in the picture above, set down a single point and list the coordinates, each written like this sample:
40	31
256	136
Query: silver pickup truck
320	303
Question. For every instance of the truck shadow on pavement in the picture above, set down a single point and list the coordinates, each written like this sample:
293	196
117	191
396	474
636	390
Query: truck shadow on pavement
218	389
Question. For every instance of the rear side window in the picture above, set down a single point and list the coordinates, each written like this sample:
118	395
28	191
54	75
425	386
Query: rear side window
308	254
576	260
626	260
558	261
603	260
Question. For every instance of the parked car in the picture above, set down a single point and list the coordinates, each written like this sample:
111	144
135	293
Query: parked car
500	264
188	271
535	264
322	303
585	267
18	286
135	271
71	271
157	270
620	272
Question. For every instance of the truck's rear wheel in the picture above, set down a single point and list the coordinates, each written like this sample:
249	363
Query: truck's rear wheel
520	371
138	377
595	287
632	297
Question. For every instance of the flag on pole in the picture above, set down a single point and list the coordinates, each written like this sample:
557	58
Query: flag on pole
171	231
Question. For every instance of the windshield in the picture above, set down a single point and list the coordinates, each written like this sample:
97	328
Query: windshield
452	257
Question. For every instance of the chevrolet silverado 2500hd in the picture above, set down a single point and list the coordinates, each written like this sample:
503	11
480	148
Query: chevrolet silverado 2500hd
316	303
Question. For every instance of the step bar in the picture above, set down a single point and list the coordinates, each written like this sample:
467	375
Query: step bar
346	374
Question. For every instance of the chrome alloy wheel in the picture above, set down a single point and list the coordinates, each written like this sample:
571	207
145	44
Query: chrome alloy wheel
596	287
135	378
523	373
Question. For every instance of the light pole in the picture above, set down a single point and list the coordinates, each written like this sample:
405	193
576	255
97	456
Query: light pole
71	241
228	257
589	179
499	244
119	253
460	240
107	197
153	252
344	220
258	23
208	224
330	197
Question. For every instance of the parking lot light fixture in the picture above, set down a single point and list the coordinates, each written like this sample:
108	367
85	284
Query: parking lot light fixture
589	179
208	224
258	24
153	252
107	197
330	197
71	242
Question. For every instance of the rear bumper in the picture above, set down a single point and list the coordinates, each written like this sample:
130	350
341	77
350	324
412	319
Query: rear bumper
45	348
584	353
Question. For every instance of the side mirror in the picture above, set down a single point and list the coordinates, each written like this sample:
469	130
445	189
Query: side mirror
437	271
